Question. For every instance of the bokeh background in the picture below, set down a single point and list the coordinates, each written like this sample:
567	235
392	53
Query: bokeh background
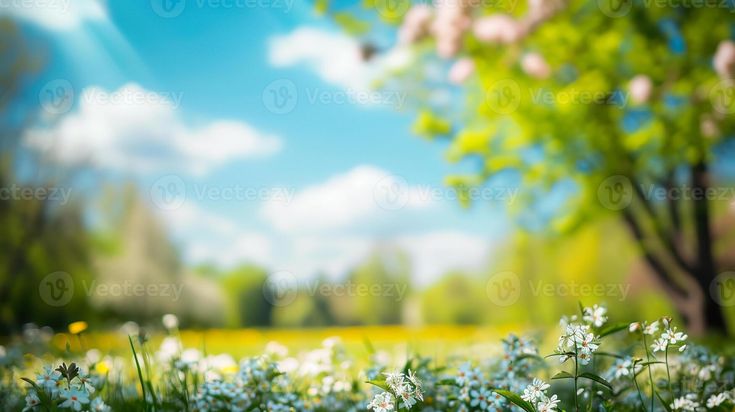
290	164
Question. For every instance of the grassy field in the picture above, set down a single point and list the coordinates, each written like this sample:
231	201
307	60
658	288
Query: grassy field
438	342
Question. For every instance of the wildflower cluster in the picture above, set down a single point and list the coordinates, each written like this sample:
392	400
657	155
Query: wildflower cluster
535	393
66	387
578	340
636	371
400	391
520	358
257	385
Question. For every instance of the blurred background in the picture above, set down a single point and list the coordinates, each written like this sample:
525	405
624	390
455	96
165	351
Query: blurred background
291	164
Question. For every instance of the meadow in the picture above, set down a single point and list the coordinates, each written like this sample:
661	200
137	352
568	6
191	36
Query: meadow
588	362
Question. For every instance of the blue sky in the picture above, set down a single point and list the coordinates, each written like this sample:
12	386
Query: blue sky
184	105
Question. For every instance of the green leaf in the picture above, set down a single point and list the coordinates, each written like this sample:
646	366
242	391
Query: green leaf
598	379
530	356
610	329
369	345
650	363
515	399
380	383
663	402
559	354
563	375
608	354
140	373
447	382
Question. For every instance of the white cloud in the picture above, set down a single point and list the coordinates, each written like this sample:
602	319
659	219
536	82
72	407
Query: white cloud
432	254
192	220
435	253
133	129
56	15
330	255
333	56
243	248
213	238
343	200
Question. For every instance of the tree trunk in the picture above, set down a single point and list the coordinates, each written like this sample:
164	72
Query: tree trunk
706	271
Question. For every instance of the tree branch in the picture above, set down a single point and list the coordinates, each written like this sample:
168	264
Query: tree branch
653	261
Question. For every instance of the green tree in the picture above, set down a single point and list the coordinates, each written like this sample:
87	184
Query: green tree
614	100
248	305
42	230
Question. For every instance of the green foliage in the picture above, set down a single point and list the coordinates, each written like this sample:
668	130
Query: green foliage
244	291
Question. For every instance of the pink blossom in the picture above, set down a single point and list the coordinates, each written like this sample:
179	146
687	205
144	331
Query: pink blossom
415	24
541	10
535	66
461	70
447	48
708	127
724	60
451	21
499	29
640	88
